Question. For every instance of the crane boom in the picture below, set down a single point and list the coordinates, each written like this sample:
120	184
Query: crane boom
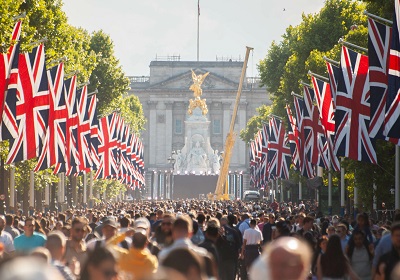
221	191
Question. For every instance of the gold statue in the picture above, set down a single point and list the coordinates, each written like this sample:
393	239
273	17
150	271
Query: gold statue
197	92
197	82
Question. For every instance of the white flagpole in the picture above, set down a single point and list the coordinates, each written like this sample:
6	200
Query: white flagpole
198	30
342	188
396	179
330	191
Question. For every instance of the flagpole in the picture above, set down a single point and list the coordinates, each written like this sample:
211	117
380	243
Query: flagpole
378	18
330	191
342	186
396	179
198	30
331	61
318	76
347	44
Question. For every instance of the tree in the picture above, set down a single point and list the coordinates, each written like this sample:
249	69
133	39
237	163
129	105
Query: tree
108	77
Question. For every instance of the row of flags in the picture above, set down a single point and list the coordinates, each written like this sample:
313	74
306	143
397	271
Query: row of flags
358	104
45	116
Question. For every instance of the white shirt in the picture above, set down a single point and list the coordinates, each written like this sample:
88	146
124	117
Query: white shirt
8	242
252	236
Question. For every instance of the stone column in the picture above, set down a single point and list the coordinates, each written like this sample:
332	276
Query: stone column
153	131
169	129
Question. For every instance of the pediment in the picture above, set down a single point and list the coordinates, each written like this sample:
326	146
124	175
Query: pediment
184	81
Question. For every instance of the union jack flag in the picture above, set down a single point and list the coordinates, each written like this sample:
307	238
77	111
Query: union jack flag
54	144
333	72
306	167
392	115
6	66
279	157
32	106
83	131
107	147
378	56
313	132
293	138
94	131
326	110
352	114
70	153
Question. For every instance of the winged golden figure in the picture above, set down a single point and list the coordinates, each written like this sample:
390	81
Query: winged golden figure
197	82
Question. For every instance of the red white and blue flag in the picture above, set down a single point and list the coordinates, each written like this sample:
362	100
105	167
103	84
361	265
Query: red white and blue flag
54	144
378	56
6	67
279	157
326	110
352	116
293	138
392	115
32	107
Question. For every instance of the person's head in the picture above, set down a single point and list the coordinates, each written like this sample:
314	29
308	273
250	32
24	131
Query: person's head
362	220
395	233
142	223
182	227
56	243
212	231
322	243
330	230
101	265
271	218
29	226
334	246
358	238
166	224
160	214
9	220
139	239
308	223
78	229
253	223
110	228
124	222
341	230
186	262
287	258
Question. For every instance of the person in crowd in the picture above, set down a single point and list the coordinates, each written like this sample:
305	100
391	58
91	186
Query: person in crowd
360	254
333	264
229	245
6	238
181	231
139	262
109	229
75	245
101	264
9	226
252	240
30	239
283	258
268	228
211	237
307	232
388	261
364	225
341	231
163	233
245	224
187	263
56	244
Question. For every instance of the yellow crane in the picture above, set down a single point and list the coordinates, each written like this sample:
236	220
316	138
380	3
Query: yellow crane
221	191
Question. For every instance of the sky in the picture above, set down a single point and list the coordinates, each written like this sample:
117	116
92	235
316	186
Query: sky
142	30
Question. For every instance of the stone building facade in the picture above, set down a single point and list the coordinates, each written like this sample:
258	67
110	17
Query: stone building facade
165	98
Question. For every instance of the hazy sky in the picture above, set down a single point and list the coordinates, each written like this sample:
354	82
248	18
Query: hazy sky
143	29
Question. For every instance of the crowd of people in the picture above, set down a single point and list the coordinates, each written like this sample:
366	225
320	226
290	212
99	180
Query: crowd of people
198	239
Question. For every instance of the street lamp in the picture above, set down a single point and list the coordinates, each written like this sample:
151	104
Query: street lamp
171	160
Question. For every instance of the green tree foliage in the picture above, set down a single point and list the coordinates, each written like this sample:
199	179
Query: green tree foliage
108	77
90	56
255	123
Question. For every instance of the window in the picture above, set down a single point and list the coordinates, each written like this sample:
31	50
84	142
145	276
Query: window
217	126
178	126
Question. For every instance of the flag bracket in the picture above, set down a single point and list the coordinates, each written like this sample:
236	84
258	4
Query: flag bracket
297	95
318	76
377	17
43	40
59	60
20	16
331	61
305	84
347	44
